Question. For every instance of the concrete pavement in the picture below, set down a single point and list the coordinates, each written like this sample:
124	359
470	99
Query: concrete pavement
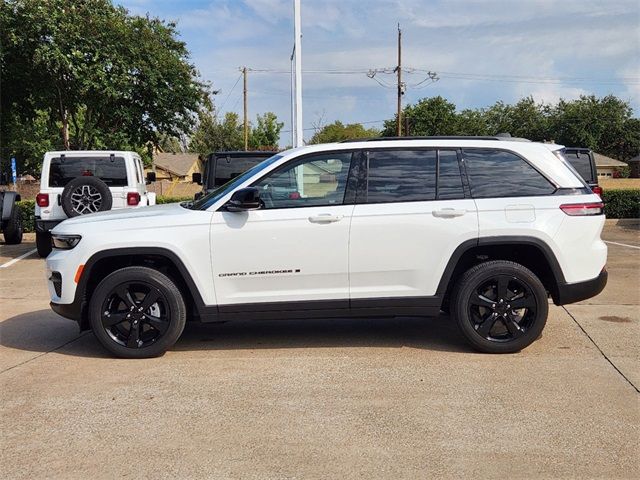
382	398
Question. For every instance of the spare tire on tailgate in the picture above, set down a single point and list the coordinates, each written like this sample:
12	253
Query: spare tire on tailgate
84	195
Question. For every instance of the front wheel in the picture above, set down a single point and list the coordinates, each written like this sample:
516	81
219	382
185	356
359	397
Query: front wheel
137	312
500	306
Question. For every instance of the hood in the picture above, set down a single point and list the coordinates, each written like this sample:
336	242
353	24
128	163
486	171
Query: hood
125	218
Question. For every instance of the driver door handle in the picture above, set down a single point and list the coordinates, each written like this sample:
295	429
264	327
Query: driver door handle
325	218
448	213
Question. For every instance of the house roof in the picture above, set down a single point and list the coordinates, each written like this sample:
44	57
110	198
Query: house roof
176	163
604	161
635	159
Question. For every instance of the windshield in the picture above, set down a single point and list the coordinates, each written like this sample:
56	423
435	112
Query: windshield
211	198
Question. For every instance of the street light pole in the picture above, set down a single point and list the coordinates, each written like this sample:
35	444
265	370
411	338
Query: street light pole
299	140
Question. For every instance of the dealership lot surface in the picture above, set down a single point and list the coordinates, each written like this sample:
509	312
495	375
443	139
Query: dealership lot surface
385	398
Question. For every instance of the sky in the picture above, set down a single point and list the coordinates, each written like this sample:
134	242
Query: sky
481	51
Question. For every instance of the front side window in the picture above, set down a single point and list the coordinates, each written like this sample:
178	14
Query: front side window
401	176
315	180
111	170
496	173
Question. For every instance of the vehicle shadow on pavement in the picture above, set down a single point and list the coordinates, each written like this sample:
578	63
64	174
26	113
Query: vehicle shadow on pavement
44	331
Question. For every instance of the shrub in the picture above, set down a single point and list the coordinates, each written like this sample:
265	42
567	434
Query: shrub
622	203
27	211
162	200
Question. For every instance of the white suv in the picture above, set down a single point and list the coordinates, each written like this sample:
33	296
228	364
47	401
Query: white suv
78	182
485	228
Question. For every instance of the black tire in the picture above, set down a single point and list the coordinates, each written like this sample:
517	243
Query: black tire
13	228
84	195
122	321
43	243
492	326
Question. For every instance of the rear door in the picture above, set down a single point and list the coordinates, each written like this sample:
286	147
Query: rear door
410	216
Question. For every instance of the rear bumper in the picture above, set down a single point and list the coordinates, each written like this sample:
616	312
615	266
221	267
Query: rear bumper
44	226
575	292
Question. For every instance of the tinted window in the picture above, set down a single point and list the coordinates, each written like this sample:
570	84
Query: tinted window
401	176
111	170
495	173
449	179
581	161
316	180
227	167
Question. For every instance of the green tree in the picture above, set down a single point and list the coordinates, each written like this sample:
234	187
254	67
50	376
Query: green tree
337	132
266	134
430	116
106	79
212	135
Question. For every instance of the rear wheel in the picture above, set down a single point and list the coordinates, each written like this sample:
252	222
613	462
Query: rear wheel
13	228
500	306
137	312
43	243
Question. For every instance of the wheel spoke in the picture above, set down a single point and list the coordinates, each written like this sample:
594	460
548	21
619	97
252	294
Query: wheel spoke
152	297
503	282
527	301
124	294
134	335
512	326
482	301
111	319
487	324
156	323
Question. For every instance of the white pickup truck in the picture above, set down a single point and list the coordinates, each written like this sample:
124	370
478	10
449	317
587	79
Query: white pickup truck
76	182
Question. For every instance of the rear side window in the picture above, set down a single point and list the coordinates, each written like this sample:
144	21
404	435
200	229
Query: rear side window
401	176
496	173
111	170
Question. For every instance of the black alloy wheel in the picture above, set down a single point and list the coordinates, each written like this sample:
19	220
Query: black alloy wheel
500	306
137	312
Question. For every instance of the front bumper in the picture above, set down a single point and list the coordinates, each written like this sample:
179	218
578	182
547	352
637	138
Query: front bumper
575	292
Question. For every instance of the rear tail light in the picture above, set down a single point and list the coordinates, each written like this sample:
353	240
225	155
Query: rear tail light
133	199
597	190
42	199
583	209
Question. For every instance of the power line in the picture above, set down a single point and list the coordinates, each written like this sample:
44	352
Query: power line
229	94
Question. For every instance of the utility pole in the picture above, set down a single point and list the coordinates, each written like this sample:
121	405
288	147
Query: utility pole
400	86
246	116
297	32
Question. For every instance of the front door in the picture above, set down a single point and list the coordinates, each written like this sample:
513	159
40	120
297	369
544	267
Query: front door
292	252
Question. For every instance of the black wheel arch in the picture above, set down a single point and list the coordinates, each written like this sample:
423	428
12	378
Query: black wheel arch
530	252
107	261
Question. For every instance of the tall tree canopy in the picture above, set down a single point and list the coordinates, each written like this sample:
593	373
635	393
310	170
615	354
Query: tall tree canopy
605	124
337	132
266	133
99	76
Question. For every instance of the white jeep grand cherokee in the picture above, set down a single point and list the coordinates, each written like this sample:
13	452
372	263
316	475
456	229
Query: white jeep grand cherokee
484	228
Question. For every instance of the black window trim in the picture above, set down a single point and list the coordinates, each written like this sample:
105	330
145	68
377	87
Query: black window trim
363	188
301	159
555	186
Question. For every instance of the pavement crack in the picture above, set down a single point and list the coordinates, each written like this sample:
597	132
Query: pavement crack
44	353
600	350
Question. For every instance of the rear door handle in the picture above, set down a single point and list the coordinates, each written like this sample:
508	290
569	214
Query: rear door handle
325	218
448	213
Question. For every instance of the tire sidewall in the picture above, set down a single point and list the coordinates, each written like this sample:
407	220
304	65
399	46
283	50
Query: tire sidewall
475	278
149	276
43	243
65	198
13	229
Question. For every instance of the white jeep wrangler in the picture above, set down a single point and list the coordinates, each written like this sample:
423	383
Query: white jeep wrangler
484	228
78	182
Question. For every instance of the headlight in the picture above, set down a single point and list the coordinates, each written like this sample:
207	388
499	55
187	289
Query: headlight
65	242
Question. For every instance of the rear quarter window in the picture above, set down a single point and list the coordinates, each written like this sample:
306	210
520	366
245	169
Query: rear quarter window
497	173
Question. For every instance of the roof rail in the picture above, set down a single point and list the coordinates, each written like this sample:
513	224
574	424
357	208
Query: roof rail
439	137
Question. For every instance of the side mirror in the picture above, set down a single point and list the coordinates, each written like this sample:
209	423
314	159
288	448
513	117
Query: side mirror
243	200
196	178
151	177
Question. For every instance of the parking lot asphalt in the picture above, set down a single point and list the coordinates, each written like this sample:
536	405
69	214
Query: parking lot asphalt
370	398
